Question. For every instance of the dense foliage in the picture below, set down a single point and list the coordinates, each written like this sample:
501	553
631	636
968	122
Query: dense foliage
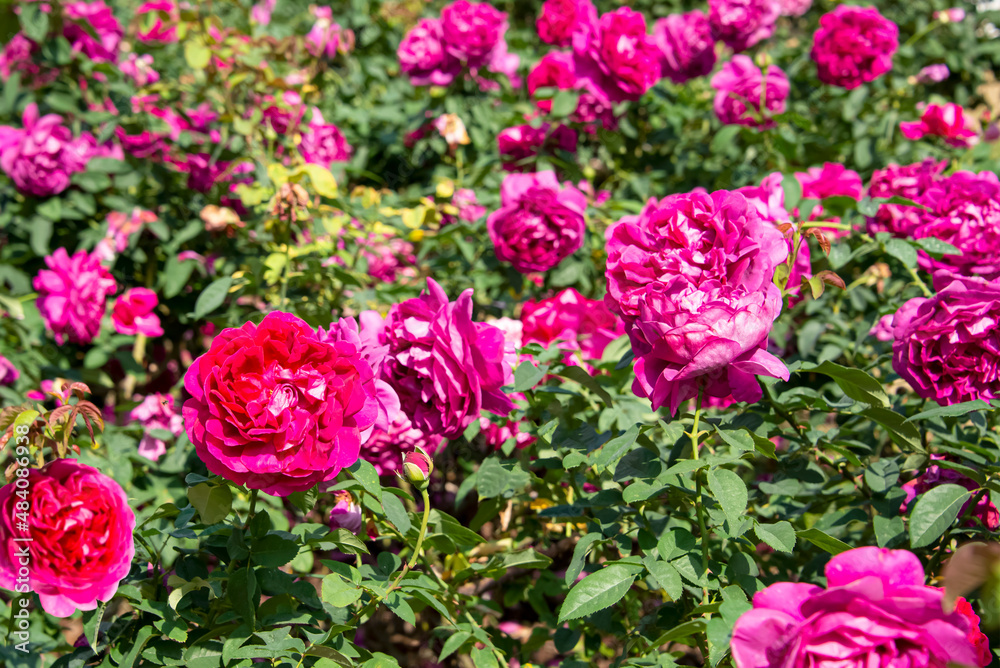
494	334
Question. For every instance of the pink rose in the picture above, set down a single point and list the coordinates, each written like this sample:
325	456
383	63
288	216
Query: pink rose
468	206
346	514
8	372
910	181
41	156
557	70
945	346
275	407
582	325
539	223
471	31
72	295
876	612
139	69
156	411
794	7
422	55
327	38
963	209
445	367
559	19
616	57
521	142
740	82
133	313
495	435
86	19
80	526
742	23
261	12
941	120
687	48
830	180
323	143
692	275
854	45
18	56
933	74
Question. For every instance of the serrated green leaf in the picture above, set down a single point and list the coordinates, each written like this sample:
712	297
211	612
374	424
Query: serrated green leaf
780	536
598	591
338	592
212	297
612	451
731	493
934	512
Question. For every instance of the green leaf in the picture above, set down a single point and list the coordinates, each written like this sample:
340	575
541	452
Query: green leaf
666	576
212	297
483	657
396	512
937	247
564	103
501	479
889	532
598	591
34	21
579	556
213	502
453	644
322	179
855	383
365	473
685	630
92	624
731	493
197	55
273	551
338	592
934	512
900	431
793	190
108	166
954	410
526	376
739	439
823	541
902	251
400	607
615	449
882	475
780	536
241	591
580	375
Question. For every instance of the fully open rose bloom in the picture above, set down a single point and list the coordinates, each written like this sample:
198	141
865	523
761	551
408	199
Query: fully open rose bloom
275	407
72	295
742	23
539	223
156	411
854	45
687	49
8	372
323	143
963	209
740	82
940	120
946	347
81	530
876	612
445	367
559	19
423	57
582	325
616	56
41	156
692	276
909	181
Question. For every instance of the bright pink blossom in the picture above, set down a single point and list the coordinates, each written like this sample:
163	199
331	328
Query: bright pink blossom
156	412
940	120
584	327
41	156
84	20
854	45
742	23
876	612
909	181
8	372
323	143
161	25
133	313
80	525
616	57
72	295
687	48
742	89
559	19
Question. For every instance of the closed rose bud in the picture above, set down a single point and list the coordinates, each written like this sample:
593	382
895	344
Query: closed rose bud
417	466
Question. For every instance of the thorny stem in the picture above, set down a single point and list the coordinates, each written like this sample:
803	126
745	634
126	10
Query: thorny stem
700	502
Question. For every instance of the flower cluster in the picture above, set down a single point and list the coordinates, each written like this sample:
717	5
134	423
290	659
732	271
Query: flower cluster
582	327
72	295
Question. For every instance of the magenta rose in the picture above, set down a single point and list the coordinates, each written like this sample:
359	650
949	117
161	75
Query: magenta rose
41	156
84	20
854	45
616	56
559	19
8	372
133	313
387	447
423	57
539	223
521	142
946	346
72	295
80	525
445	367
471	31
156	411
830	180
557	69
963	209
323	143
346	514
742	23
910	181
876	612
742	87
275	407
687	48
161	26
941	120
581	325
